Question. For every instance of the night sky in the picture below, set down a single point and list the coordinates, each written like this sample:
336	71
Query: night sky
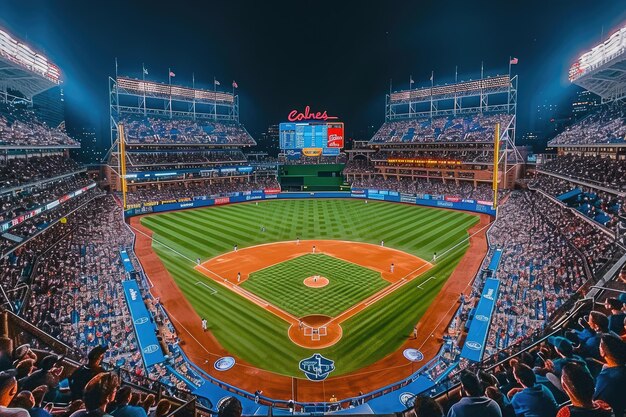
337	55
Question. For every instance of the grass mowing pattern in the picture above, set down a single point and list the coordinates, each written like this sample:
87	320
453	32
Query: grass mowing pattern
283	286
259	337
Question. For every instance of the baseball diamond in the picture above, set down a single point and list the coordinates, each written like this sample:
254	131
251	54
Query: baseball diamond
263	304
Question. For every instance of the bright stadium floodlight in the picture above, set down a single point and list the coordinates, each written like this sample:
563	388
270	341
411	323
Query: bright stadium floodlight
24	56
600	54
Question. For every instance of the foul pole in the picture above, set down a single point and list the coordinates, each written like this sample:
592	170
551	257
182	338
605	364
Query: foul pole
122	155
496	158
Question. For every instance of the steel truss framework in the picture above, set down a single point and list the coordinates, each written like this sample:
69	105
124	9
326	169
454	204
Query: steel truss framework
402	104
223	106
607	80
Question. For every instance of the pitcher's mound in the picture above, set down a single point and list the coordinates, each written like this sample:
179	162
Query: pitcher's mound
316	281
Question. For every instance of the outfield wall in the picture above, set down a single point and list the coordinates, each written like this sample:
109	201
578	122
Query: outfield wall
440	201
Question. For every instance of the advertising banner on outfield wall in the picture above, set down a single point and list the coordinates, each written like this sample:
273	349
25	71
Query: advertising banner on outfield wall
143	324
477	335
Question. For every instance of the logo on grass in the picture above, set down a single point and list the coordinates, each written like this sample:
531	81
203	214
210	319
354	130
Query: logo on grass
407	399
141	320
413	355
482	317
317	367
224	364
473	345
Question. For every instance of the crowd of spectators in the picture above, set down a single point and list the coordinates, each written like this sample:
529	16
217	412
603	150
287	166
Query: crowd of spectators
75	287
544	252
30	227
606	208
605	125
36	383
464	189
168	191
148	160
163	131
607	172
315	160
19	202
25	170
20	127
472	128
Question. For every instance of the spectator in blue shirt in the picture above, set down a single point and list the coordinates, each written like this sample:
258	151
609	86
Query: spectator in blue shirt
474	402
121	406
532	400
611	382
616	316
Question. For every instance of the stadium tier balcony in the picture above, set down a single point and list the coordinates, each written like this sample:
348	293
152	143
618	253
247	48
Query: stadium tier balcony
475	128
19	127
29	227
23	171
606	172
145	161
165	131
24	200
604	126
608	209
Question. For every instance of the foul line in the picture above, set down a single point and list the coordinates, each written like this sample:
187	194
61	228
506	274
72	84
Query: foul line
420	286
213	290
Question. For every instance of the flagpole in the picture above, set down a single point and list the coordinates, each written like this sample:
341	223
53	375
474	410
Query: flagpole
214	99
193	86
169	81
143	78
432	84
509	66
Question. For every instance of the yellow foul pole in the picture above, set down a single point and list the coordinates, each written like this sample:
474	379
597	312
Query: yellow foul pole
496	158
122	154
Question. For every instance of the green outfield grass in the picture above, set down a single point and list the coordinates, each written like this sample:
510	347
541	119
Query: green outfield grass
283	285
259	337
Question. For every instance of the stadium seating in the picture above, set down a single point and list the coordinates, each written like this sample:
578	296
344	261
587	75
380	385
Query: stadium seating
477	128
202	188
605	125
463	190
161	130
20	127
606	172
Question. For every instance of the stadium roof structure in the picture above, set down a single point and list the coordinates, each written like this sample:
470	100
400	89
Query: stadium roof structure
486	94
23	69
602	70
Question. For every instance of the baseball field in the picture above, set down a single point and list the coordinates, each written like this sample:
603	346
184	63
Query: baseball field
255	297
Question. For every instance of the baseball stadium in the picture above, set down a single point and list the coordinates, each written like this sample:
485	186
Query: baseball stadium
437	264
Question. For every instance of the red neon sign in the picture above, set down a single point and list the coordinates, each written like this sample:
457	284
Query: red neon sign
294	116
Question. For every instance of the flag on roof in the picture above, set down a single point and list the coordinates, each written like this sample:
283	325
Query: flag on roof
235	84
172	74
217	82
513	61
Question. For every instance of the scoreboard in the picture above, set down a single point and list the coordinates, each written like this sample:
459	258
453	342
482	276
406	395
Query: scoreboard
312	138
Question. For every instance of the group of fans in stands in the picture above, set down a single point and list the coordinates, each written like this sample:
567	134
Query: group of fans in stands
605	125
20	127
165	130
214	187
477	128
464	189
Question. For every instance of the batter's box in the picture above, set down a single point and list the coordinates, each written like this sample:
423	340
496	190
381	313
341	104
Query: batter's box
315	333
